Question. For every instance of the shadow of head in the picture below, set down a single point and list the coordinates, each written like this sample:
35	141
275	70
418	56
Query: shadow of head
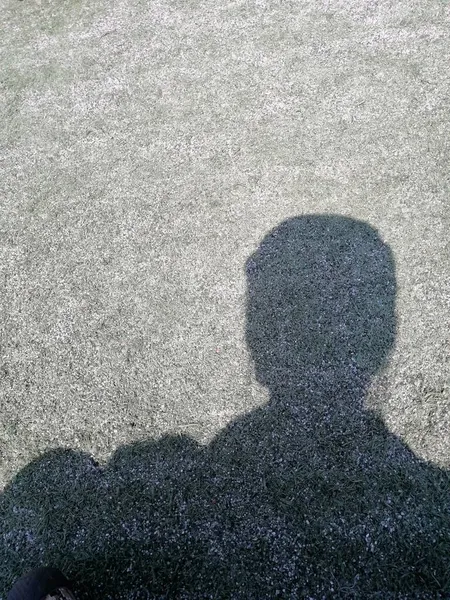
320	302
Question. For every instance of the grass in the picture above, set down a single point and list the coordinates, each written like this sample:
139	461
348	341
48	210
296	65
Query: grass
223	297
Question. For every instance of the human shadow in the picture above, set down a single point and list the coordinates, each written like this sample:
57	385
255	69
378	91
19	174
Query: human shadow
309	496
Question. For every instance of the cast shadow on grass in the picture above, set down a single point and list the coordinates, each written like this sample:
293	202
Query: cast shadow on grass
308	496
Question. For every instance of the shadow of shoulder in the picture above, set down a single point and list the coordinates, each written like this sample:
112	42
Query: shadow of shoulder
94	522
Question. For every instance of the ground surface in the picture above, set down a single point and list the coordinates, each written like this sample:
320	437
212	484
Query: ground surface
225	296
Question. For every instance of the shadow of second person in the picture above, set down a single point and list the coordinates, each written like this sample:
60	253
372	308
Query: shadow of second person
309	496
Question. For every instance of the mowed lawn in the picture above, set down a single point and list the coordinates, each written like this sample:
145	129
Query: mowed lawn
225	297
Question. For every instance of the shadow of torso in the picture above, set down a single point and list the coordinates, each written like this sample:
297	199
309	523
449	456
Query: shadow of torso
308	497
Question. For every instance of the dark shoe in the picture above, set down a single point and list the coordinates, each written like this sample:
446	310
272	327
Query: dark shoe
45	583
